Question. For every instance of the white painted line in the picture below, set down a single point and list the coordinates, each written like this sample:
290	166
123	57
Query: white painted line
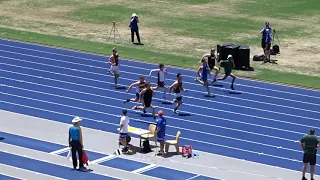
194	84
193	177
60	151
137	67
144	169
224	119
109	157
194	91
224	146
303	117
201	132
21	169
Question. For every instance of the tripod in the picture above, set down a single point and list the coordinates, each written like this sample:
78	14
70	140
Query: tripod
115	32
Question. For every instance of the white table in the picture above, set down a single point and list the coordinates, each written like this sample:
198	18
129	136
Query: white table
137	131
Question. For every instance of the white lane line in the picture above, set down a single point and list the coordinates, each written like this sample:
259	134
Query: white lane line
172	117
189	90
193	177
26	170
194	84
60	151
189	139
304	117
144	169
138	67
200	132
104	159
224	119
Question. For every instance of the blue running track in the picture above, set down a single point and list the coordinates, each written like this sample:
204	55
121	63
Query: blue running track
258	122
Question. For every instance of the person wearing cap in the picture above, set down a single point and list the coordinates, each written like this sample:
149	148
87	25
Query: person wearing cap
134	20
123	130
161	131
114	69
309	144
264	33
228	65
76	143
211	60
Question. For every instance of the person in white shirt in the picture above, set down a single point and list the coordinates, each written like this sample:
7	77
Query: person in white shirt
162	72
124	129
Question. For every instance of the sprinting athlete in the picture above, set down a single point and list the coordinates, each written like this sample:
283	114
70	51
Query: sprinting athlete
140	85
177	86
146	97
114	69
203	76
228	65
162	72
211	60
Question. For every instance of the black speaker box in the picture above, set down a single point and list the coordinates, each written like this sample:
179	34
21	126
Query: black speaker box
244	56
220	49
234	51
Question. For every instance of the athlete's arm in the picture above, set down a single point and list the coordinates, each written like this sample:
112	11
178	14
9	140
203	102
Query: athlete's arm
206	55
141	93
111	60
133	84
233	64
172	86
152	71
199	69
165	71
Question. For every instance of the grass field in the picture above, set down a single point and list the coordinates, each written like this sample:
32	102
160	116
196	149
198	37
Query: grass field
176	32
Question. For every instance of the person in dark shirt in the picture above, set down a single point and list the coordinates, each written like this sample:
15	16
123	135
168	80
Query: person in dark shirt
264	41
228	65
146	97
76	143
134	20
177	86
309	144
161	131
211	60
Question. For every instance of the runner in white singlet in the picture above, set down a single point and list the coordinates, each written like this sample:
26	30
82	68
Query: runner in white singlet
162	72
114	69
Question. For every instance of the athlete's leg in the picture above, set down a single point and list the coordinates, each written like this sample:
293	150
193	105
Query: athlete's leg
206	84
136	99
116	76
233	79
153	111
224	77
216	69
178	103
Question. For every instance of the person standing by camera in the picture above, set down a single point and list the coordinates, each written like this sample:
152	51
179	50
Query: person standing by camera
264	32
134	20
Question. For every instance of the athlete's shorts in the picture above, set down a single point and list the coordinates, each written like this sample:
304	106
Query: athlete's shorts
161	84
310	158
147	103
211	66
114	69
204	79
268	45
179	98
227	73
160	139
123	135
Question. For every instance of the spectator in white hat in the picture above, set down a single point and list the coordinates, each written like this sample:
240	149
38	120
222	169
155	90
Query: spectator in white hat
76	143
228	65
134	20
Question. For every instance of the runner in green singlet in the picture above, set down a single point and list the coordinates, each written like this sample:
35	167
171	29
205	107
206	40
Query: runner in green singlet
228	65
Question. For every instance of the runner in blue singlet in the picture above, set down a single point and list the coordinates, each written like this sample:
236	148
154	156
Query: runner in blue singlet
203	76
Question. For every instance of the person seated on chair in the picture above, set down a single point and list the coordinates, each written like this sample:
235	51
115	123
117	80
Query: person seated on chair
123	131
